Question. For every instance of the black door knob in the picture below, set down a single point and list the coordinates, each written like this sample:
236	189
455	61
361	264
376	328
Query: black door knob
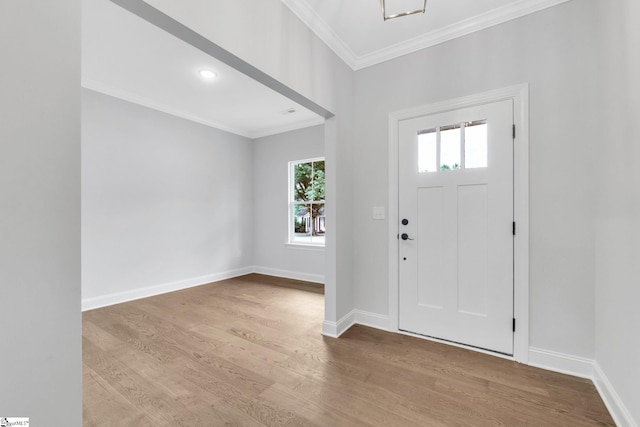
405	221
405	236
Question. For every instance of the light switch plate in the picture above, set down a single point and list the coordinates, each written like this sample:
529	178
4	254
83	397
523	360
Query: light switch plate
378	212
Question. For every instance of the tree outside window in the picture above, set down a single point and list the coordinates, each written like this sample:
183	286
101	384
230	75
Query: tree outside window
307	202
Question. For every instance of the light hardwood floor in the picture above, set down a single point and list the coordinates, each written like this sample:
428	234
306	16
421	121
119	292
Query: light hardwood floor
248	352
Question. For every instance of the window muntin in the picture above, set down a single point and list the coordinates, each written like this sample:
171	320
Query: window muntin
306	202
453	147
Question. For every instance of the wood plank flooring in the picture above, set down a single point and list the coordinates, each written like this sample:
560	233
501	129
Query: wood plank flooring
248	352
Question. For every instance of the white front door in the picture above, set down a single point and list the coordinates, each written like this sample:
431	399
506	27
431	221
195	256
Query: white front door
456	226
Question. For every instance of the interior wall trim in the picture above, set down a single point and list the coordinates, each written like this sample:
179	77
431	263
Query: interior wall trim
335	329
355	317
372	320
612	400
559	362
288	274
584	368
508	12
145	102
140	100
150	291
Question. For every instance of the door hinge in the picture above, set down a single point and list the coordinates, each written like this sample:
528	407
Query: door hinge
514	228
514	324
514	131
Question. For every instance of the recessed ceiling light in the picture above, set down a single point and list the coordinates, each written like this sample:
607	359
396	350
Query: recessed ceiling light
207	74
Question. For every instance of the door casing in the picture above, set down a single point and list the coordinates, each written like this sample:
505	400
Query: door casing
520	96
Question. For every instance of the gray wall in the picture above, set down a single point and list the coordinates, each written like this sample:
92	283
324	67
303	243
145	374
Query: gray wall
618	211
164	200
552	50
271	157
40	360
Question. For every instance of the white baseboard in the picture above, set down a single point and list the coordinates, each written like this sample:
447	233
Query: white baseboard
612	401
329	329
359	317
306	277
335	329
373	320
560	362
585	368
134	294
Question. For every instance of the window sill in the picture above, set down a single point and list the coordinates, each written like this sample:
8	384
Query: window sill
305	247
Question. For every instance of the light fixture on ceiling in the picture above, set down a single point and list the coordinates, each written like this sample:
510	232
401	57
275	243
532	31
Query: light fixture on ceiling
207	74
383	4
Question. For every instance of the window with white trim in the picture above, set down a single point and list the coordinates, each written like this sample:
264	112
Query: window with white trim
306	202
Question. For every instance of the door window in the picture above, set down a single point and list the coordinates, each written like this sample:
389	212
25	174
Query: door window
453	147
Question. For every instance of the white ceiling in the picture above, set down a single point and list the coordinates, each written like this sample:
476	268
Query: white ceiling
129	58
355	30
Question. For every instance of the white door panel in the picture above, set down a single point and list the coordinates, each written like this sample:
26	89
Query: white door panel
456	267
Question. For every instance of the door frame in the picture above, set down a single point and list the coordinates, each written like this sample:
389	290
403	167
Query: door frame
520	96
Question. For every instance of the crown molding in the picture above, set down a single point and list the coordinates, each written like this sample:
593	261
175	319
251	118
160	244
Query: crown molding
488	19
323	30
477	23
145	102
287	128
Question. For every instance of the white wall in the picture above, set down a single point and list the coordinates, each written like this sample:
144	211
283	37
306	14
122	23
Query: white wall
553	51
617	268
271	157
40	332
166	202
